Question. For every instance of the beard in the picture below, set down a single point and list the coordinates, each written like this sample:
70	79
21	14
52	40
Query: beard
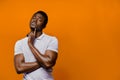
34	26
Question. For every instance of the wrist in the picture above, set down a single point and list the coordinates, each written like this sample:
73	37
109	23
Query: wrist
30	44
38	64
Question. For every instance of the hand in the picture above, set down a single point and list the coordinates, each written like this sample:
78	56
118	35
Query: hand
31	37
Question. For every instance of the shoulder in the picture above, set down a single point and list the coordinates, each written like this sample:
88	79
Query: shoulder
20	41
52	43
52	40
50	37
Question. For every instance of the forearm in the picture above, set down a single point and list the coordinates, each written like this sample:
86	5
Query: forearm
42	59
27	67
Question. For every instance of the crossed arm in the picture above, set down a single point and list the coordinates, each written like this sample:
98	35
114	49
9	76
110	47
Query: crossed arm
21	66
47	60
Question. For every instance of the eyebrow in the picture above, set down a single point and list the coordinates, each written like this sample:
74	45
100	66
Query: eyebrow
38	16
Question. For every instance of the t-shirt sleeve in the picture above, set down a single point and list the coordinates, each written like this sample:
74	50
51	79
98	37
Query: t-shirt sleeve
53	44
18	48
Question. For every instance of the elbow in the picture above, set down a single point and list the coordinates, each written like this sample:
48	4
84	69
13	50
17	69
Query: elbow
49	65
19	70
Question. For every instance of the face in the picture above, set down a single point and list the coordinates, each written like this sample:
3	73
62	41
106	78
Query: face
36	22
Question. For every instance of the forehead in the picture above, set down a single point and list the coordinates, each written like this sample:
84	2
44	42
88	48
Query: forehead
38	15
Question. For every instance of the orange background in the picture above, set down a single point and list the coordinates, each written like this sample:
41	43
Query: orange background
88	32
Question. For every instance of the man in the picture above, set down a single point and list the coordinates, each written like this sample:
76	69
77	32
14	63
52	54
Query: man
36	54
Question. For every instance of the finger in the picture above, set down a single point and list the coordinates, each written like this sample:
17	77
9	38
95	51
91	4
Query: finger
35	31
31	34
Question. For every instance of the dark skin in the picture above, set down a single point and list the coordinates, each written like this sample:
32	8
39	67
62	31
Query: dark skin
46	61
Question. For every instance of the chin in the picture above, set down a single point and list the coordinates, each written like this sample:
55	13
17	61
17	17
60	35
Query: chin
32	28
38	30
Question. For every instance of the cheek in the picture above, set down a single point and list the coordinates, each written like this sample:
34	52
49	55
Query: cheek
39	23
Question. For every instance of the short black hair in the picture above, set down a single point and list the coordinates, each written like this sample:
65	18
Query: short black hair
45	17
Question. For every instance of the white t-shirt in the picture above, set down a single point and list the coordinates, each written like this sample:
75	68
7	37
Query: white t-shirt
42	43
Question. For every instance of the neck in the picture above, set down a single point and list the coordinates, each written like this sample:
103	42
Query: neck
38	33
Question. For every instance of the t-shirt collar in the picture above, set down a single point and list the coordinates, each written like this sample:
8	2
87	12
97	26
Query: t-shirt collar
41	36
